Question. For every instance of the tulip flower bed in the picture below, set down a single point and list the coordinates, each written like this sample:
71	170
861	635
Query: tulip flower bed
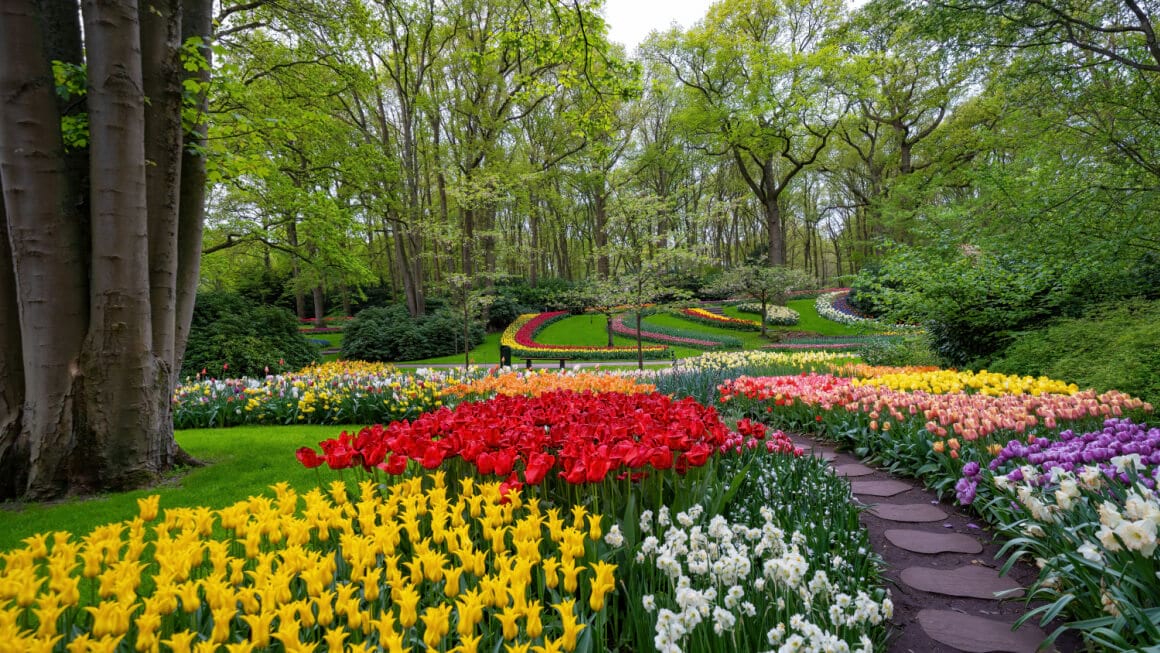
833	306
672	336
520	336
340	392
419	566
537	382
708	514
712	319
576	437
1083	506
774	314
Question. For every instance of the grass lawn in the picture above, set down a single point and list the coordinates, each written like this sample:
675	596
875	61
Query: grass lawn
811	321
243	461
592	330
749	339
486	352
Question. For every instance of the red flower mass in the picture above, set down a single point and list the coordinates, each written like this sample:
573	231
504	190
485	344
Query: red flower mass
581	437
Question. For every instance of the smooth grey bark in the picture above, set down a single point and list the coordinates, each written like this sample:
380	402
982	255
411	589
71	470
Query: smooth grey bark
92	325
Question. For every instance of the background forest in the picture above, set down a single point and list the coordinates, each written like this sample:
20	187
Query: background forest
986	169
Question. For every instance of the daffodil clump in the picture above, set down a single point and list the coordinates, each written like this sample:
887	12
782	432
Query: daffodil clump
983	382
414	567
340	392
729	586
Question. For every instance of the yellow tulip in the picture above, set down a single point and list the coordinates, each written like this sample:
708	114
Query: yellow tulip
436	623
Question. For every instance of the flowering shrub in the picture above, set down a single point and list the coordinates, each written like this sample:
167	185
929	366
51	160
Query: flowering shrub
577	437
418	568
339	392
670	336
774	314
520	336
712	319
538	382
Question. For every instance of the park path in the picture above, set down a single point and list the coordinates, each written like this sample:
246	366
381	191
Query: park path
941	567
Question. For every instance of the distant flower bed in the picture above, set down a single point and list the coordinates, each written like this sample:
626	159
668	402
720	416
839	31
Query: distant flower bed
807	294
671	336
536	383
774	314
520	336
712	319
308	330
827	306
340	392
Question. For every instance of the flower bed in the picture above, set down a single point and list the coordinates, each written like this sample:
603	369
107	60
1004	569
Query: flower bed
1083	506
774	314
579	437
670	336
425	567
712	319
828	306
339	392
536	383
520	336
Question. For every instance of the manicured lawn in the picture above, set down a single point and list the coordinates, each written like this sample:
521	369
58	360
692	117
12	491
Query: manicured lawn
811	321
243	461
591	329
749	339
486	352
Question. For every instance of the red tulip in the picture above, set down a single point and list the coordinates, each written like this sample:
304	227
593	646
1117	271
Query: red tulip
309	458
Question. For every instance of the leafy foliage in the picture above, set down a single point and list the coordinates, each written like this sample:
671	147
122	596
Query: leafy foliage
1115	346
390	333
228	330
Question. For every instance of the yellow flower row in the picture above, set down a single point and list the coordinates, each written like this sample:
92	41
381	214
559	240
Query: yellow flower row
416	568
735	359
539	382
983	382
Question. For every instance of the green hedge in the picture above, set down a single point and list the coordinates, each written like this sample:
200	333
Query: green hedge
228	329
389	334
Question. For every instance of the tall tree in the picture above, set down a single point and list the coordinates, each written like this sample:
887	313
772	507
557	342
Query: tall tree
99	229
764	89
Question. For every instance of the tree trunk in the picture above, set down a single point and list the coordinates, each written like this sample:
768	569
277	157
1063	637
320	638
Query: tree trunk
96	263
13	442
600	212
126	437
46	233
319	306
773	228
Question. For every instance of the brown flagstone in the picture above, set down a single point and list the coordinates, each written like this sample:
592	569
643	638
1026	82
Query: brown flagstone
928	542
977	634
971	581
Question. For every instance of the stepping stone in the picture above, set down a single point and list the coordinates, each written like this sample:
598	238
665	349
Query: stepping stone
879	488
853	469
978	635
827	456
910	513
971	581
926	542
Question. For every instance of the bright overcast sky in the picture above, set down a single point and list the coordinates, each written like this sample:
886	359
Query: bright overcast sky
629	21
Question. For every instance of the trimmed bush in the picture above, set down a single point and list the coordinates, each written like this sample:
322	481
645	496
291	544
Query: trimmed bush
249	338
898	351
1114	346
389	333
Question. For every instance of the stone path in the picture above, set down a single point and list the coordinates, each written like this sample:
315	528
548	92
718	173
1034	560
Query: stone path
941	568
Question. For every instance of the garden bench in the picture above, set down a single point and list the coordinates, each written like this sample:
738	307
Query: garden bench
529	360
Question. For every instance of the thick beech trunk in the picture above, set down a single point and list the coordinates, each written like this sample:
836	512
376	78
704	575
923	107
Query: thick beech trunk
95	265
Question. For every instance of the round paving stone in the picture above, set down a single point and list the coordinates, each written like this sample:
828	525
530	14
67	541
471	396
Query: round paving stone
910	513
927	542
827	456
879	488
853	469
978	635
971	581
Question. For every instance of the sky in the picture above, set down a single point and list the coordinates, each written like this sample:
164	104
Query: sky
630	21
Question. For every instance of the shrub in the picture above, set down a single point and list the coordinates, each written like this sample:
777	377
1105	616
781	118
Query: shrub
504	310
390	333
1114	346
900	351
229	330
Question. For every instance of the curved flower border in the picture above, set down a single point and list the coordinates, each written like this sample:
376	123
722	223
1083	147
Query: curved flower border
774	314
712	319
520	336
620	328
